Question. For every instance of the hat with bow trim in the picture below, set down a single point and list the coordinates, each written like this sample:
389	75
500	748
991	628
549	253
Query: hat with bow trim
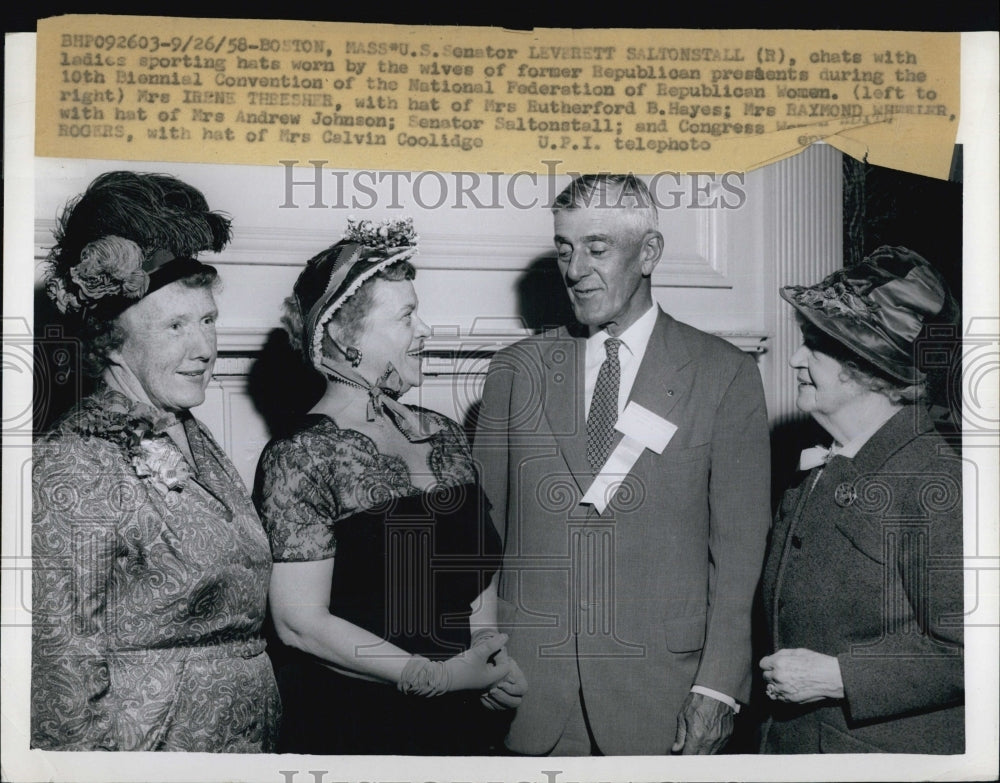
333	276
878	308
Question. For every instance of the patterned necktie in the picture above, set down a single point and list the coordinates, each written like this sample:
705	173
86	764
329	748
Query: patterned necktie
604	407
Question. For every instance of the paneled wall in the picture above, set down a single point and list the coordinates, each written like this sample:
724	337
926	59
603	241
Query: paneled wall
486	263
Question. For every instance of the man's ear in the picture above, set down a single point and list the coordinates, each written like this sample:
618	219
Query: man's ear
651	250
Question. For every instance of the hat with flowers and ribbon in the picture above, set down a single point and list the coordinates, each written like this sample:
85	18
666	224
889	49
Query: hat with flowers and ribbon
329	280
128	235
878	308
333	276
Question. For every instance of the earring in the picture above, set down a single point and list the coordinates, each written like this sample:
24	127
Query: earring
353	355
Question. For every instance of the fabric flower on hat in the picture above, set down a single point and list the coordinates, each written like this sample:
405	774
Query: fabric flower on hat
382	237
838	297
110	266
55	289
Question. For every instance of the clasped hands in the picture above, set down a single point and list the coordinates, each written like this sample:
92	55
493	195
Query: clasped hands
801	676
506	692
485	667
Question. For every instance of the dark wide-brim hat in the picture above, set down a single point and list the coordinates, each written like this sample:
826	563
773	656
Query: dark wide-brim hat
878	308
128	235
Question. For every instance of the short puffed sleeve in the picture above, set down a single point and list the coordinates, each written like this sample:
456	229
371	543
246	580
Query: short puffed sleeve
296	499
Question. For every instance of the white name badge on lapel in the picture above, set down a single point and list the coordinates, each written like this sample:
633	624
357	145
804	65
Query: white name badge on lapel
642	429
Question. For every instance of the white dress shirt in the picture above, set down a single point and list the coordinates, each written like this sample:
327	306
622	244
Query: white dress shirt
633	348
630	353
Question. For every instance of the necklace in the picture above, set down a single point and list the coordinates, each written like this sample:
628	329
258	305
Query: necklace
346	382
382	402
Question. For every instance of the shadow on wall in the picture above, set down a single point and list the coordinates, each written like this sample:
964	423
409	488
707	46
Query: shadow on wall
542	301
283	388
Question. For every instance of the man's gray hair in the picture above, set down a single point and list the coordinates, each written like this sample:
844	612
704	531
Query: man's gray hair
612	191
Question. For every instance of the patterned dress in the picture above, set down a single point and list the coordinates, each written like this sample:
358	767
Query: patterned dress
408	564
149	582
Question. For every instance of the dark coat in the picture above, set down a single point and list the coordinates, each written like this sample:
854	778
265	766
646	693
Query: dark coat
655	594
867	566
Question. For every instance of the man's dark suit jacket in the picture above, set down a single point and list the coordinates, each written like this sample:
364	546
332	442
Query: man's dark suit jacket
653	595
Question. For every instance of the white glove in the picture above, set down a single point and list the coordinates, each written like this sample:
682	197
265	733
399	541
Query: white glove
475	669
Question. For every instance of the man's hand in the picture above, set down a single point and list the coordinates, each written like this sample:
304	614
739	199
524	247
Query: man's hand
704	725
477	668
801	676
508	693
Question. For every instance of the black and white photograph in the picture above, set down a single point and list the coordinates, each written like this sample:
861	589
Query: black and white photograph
318	473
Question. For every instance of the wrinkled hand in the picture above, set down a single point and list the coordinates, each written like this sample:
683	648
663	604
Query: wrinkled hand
508	693
801	676
479	667
704	725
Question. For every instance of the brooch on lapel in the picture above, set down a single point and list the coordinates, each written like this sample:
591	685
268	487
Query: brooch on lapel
141	431
845	494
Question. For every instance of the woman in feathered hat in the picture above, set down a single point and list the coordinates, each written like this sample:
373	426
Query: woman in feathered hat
863	583
150	565
384	551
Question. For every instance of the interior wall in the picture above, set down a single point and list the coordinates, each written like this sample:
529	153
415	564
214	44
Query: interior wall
486	269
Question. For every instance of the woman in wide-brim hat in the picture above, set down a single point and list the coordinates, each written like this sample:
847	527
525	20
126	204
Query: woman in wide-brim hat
863	582
150	565
384	551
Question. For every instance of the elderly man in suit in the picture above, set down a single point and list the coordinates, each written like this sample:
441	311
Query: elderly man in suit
628	469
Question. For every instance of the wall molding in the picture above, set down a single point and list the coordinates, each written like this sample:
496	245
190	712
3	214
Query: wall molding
452	355
807	245
269	246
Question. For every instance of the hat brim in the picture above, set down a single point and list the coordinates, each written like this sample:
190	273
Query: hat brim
850	333
174	270
345	292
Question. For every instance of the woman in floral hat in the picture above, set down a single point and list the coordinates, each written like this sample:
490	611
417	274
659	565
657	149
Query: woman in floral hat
150	566
384	551
863	583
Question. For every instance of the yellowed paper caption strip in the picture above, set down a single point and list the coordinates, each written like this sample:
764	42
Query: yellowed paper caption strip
486	99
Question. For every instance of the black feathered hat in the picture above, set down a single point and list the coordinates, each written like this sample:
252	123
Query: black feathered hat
128	235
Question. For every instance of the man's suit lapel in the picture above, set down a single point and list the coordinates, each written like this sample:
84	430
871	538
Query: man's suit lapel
666	372
665	377
564	361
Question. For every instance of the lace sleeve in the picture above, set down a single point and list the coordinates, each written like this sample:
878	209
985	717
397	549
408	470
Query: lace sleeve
296	502
451	457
